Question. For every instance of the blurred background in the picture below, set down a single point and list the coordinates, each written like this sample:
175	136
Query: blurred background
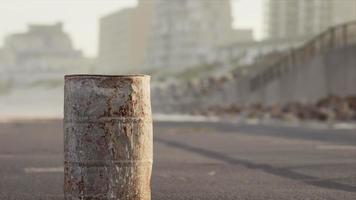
206	57
252	99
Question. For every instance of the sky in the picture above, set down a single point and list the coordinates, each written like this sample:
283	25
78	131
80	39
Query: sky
80	17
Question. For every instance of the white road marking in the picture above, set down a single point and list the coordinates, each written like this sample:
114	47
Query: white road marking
212	173
335	147
7	156
345	126
31	170
183	118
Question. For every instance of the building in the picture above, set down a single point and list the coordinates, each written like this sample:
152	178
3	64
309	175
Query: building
165	34
42	52
304	18
39	47
185	33
344	11
123	38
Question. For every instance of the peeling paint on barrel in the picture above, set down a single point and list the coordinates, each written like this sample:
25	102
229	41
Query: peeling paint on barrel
107	137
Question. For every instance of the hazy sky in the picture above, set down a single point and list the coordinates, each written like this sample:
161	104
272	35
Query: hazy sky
80	17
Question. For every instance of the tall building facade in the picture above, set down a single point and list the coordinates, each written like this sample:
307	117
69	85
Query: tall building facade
304	18
123	38
166	34
185	32
344	11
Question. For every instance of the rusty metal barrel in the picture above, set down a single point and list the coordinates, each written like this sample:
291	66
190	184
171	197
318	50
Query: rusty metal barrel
107	137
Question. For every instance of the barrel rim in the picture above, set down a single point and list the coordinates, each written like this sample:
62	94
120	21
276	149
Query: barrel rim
105	76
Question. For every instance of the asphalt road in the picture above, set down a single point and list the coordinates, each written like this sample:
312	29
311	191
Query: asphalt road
198	161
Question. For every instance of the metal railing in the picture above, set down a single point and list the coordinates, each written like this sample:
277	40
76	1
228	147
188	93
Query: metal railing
337	36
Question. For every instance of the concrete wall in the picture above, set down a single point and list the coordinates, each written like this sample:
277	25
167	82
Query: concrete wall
332	72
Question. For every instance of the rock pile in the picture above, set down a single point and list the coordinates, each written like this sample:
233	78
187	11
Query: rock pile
329	108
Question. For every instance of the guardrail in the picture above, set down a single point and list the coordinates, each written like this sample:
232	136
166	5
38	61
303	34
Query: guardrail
337	36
